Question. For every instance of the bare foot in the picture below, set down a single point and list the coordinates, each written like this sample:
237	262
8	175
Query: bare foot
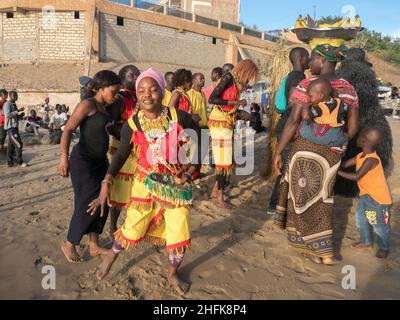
214	193
312	258
222	204
179	285
104	267
360	245
330	261
95	250
70	252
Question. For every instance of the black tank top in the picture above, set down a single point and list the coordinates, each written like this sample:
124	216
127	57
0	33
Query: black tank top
94	135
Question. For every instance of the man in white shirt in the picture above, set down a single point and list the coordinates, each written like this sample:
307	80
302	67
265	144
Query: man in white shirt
56	125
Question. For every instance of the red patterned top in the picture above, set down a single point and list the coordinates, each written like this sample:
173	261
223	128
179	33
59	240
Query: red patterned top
170	146
184	104
344	89
230	94
129	99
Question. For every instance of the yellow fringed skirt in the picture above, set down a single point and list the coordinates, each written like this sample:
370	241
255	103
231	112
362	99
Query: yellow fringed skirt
120	190
148	219
222	126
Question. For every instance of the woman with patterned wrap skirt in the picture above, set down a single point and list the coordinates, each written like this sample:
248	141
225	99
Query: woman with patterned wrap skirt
306	193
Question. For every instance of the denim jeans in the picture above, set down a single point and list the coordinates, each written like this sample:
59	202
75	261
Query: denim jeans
371	215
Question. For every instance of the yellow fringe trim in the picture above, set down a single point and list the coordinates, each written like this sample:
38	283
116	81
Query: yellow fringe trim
141	206
157	223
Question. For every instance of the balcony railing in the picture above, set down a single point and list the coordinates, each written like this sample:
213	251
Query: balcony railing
178	12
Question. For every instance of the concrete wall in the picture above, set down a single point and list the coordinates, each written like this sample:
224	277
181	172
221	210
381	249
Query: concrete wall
27	38
140	41
224	10
19	37
66	41
29	98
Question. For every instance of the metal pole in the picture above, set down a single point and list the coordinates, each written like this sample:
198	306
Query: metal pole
315	8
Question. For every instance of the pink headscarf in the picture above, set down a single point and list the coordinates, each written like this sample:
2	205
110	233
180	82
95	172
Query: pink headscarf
150	73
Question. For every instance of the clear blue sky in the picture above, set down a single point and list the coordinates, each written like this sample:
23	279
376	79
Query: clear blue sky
379	15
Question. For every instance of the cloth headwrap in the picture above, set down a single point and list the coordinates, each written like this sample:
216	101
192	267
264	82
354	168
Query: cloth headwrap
332	54
150	73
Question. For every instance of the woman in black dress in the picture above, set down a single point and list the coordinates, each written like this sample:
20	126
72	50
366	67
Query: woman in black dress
95	116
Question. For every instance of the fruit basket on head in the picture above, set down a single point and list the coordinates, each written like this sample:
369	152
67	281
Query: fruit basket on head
311	32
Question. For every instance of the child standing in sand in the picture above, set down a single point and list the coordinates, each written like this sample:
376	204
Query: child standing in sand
375	197
323	122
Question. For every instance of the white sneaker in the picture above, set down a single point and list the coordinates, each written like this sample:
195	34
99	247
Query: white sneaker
24	165
271	212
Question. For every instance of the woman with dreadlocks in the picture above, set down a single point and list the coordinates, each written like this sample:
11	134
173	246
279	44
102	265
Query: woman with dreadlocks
306	194
222	121
359	73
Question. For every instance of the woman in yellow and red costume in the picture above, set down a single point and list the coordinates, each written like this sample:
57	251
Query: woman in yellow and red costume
161	191
222	121
121	188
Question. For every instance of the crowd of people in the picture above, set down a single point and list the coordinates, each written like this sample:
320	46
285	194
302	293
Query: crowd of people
132	135
11	116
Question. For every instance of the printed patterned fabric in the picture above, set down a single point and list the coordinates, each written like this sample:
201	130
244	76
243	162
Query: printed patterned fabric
306	198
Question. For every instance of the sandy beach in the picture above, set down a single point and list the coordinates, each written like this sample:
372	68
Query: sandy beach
235	254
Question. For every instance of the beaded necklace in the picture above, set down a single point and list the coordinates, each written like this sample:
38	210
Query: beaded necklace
155	130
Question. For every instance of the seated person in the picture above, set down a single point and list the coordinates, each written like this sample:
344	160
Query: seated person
324	122
255	118
33	123
56	125
65	111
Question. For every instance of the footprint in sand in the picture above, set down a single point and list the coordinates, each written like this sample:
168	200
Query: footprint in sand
42	260
32	217
220	267
318	279
296	264
205	274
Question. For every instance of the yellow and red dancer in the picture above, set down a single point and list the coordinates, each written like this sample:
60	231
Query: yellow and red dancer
121	189
222	122
161	191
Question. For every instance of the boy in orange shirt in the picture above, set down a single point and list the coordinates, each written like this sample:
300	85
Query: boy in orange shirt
375	197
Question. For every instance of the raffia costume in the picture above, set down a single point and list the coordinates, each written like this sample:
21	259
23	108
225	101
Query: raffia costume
120	190
159	209
222	123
